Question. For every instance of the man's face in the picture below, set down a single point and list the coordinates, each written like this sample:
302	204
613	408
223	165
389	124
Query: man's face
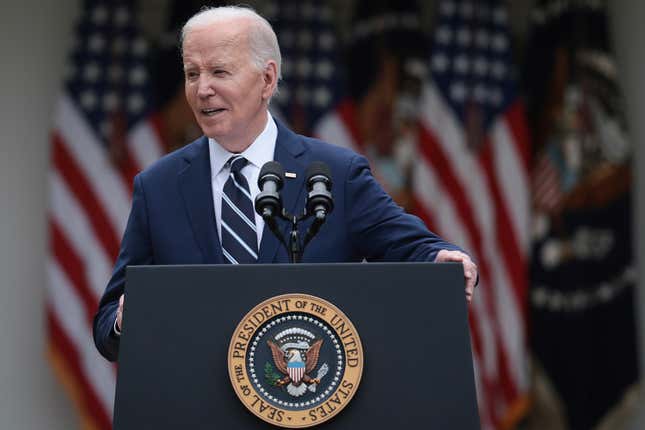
225	90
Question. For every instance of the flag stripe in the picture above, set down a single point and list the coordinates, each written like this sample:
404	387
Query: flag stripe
347	113
508	180
70	263
91	404
508	243
76	180
436	200
69	313
513	182
127	167
64	371
425	215
479	331
485	381
515	115
435	156
105	182
145	145
158	132
335	128
484	393
69	216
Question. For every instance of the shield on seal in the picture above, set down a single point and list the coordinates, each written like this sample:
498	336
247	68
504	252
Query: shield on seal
296	371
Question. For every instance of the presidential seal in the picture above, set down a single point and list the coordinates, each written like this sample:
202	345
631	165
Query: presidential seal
295	360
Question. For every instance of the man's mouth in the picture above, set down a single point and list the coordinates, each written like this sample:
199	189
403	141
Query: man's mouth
212	111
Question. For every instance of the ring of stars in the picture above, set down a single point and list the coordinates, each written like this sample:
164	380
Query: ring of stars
330	335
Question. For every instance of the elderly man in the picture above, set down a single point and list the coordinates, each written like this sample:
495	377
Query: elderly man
194	206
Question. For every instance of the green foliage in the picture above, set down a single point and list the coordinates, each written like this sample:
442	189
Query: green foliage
270	374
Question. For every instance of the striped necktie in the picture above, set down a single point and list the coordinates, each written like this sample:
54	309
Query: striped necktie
239	233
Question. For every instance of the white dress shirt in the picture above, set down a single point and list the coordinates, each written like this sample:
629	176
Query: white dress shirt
260	152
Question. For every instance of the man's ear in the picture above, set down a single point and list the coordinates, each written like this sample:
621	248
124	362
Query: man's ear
270	79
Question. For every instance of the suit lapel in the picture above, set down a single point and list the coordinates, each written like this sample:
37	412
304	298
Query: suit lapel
196	189
289	153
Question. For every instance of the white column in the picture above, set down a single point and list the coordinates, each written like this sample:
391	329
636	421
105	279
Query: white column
36	38
627	20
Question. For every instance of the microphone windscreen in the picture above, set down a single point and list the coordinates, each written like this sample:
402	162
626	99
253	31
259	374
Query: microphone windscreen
271	168
318	168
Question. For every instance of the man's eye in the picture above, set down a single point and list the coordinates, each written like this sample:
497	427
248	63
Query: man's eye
191	75
219	72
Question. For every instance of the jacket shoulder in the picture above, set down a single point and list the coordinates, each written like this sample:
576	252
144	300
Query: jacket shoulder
328	152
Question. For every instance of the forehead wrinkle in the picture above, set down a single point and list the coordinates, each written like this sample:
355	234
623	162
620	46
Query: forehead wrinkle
231	42
236	28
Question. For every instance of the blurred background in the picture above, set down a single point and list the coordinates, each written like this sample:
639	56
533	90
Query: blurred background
509	127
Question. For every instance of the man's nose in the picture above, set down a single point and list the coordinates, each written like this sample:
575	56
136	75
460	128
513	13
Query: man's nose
204	87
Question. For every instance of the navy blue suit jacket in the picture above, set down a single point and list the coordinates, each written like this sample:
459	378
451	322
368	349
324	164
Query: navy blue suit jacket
172	220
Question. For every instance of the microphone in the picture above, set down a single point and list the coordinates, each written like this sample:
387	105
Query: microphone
319	199
268	202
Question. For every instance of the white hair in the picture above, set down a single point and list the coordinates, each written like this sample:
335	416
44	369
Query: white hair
263	43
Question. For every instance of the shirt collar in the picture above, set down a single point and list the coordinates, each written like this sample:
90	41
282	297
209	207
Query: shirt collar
258	153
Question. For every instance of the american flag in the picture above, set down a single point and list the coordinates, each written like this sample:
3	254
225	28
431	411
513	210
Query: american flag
103	135
476	162
311	79
471	185
546	184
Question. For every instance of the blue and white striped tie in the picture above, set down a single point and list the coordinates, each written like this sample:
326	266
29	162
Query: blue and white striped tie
239	233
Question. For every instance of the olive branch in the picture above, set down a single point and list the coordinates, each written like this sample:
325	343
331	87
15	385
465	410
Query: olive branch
270	375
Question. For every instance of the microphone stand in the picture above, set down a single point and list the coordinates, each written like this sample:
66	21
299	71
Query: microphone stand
319	204
295	251
294	247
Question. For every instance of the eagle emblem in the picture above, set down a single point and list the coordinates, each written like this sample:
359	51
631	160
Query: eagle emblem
295	353
288	361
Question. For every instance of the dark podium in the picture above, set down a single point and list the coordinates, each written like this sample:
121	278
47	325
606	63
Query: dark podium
411	319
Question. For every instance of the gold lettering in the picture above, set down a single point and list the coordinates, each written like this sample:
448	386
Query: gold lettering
343	392
276	308
239	373
321	411
248	328
318	309
258	318
263	406
330	408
